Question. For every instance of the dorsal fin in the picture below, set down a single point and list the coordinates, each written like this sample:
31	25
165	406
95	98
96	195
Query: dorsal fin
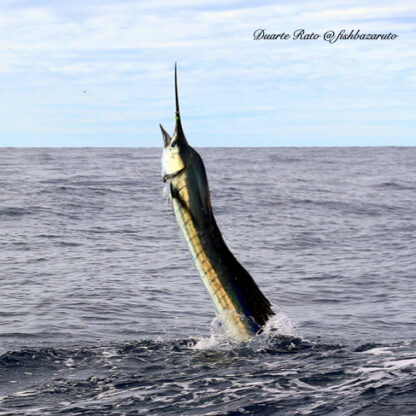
166	137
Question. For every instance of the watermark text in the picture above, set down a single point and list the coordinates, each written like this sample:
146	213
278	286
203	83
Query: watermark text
329	36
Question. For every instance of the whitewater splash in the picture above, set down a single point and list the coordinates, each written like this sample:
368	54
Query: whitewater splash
277	326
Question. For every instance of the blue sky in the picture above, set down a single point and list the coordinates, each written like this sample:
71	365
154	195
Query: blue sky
234	91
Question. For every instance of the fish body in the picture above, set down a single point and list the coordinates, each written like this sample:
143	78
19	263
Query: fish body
242	306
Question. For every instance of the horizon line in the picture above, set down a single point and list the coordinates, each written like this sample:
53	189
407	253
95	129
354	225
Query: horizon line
208	147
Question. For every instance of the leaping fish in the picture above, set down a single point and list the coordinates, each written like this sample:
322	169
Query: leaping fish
240	303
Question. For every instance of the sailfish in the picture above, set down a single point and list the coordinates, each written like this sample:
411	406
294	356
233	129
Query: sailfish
239	302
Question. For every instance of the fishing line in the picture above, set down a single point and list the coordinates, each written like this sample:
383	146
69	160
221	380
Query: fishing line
68	82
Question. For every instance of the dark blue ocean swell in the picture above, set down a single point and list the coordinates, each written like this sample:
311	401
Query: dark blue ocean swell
172	377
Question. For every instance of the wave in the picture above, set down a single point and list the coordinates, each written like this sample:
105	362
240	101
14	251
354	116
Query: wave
396	186
182	376
14	211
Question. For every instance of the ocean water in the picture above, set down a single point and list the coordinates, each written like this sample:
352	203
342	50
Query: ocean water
102	311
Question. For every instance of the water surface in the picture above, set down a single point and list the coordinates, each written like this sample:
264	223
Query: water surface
102	311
